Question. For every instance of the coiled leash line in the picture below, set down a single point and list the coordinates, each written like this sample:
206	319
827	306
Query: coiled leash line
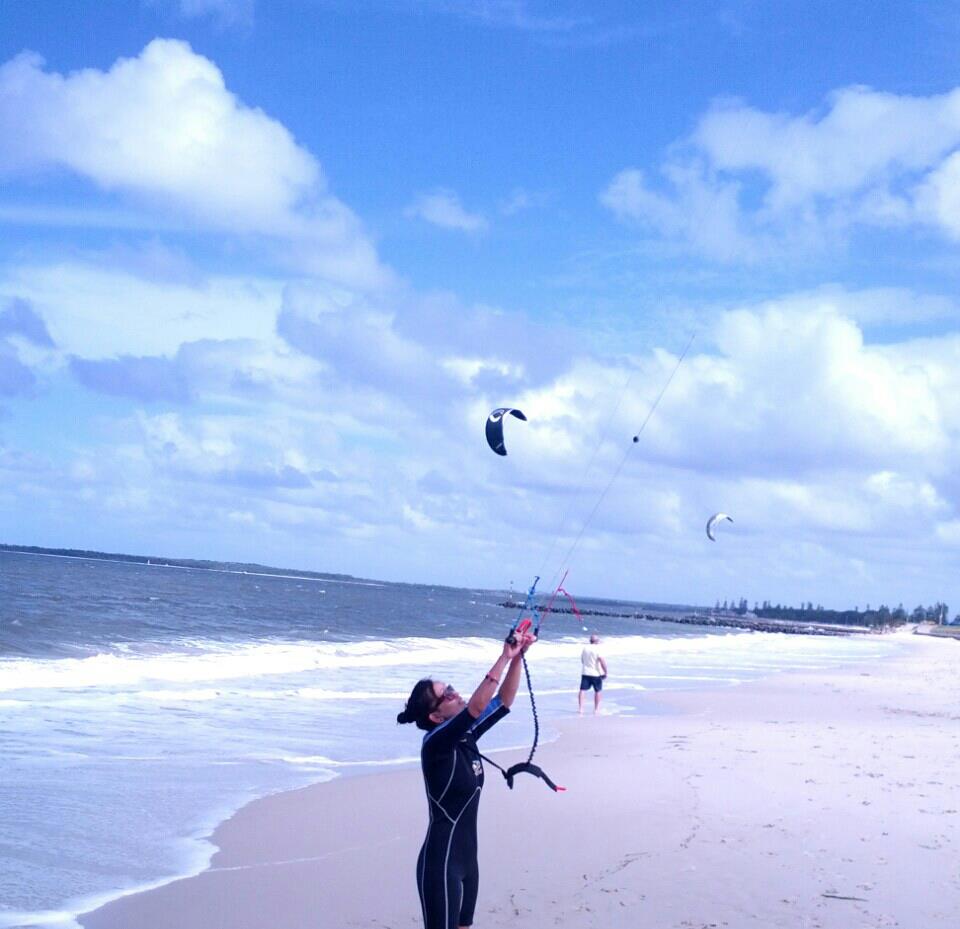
523	624
524	767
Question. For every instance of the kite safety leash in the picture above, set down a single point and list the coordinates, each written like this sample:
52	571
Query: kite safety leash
521	625
524	767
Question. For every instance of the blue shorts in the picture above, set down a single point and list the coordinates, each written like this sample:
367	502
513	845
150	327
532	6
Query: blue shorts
587	681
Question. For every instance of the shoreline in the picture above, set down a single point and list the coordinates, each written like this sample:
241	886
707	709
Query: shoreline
201	848
283	871
309	734
198	850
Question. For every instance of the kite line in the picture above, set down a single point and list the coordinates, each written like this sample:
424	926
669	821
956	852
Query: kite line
524	623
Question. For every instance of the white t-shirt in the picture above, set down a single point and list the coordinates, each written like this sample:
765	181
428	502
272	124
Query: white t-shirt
590	659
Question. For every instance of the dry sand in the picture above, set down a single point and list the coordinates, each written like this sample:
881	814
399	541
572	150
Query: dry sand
806	800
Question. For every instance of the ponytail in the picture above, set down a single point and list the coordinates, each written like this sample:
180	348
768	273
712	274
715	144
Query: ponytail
419	706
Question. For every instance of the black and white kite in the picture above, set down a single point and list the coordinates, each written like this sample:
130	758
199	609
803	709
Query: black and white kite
495	427
712	522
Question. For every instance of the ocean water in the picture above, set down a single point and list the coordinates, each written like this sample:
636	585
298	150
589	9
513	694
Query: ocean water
141	705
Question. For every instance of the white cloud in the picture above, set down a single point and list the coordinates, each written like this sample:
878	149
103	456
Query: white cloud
705	213
904	493
949	532
939	196
98	313
791	401
443	208
359	426
199	144
865	138
164	128
360	340
517	202
876	305
418	520
228	12
520	201
467	370
749	183
793	391
82	218
426	352
512	14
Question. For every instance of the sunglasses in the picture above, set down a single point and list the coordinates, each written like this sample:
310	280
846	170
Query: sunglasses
449	692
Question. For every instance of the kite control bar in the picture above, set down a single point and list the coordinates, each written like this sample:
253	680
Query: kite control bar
520	628
522	625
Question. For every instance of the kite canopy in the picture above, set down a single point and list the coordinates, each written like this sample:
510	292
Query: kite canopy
495	427
712	521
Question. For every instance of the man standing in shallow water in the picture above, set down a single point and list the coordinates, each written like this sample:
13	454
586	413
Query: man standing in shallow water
594	670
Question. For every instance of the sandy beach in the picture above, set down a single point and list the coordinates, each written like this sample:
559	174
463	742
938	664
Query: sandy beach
814	799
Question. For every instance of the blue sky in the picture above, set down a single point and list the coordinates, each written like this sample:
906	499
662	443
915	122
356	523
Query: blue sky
265	267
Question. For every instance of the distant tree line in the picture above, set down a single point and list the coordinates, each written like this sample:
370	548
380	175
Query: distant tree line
807	612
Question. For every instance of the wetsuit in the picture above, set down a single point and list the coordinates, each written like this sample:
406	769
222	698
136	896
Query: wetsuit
447	872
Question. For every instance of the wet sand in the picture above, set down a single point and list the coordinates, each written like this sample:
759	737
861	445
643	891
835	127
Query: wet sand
826	799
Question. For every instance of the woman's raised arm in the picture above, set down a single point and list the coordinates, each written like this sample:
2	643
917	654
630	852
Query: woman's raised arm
491	681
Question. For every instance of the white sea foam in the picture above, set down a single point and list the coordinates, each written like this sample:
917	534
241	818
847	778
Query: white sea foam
198	661
319	693
179	696
323	762
47	919
684	677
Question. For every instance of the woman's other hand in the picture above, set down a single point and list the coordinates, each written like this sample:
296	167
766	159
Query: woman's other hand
521	642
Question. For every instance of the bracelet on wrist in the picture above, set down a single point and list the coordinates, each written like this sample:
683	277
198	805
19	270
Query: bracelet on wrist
493	680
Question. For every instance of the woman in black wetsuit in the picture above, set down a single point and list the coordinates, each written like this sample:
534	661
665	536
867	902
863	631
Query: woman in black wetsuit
447	872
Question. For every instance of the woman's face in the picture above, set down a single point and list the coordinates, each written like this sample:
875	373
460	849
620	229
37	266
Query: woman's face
447	701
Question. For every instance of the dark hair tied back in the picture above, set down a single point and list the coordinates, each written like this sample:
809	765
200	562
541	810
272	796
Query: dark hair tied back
419	706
